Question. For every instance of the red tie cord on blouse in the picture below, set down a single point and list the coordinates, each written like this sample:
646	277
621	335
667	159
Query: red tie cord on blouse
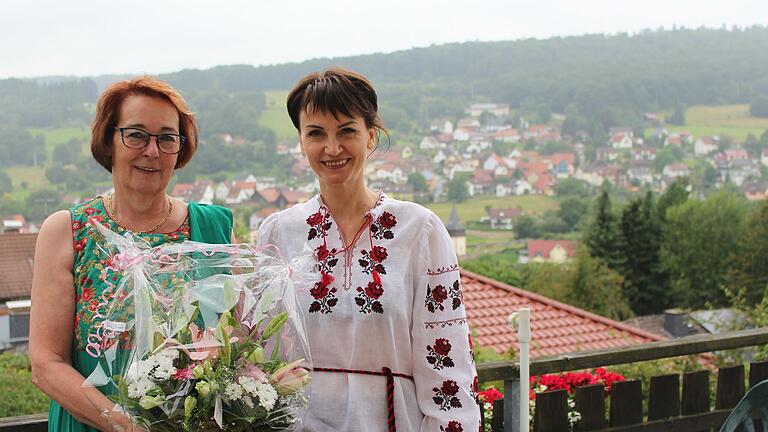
386	372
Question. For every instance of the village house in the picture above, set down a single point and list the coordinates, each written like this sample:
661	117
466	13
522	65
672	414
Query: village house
607	154
640	173
554	251
705	145
676	170
17	254
510	135
644	154
499	110
481	183
620	141
502	218
755	191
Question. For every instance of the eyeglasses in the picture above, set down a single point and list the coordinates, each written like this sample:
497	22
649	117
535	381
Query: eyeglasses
138	139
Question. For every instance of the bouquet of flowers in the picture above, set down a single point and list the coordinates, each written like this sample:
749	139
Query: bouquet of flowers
203	337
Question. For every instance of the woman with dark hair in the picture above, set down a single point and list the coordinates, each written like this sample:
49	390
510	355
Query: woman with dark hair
386	324
143	131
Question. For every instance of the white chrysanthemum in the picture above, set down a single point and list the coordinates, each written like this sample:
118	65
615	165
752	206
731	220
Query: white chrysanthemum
233	391
266	393
139	387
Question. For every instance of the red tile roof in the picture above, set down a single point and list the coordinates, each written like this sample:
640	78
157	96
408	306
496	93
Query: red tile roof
557	328
544	247
17	253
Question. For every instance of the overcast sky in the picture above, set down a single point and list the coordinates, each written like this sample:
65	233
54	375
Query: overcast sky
92	37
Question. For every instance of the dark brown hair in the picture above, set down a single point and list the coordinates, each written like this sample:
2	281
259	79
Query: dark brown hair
108	111
336	91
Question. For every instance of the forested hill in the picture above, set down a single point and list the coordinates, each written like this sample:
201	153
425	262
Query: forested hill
581	74
651	70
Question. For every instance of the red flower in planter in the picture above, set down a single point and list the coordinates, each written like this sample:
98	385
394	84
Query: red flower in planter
490	396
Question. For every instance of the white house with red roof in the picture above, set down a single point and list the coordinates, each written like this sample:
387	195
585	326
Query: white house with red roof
556	328
676	170
705	145
556	251
620	141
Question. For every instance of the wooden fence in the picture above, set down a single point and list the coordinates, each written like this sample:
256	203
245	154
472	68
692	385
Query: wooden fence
668	408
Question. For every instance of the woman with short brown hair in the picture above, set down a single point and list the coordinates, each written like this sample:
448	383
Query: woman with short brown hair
143	131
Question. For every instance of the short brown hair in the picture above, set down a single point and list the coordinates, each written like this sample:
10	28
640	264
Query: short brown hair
336	91
108	111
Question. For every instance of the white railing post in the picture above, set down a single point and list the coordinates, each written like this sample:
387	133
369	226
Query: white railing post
522	320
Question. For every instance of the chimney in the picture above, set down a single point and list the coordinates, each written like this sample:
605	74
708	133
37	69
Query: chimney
674	323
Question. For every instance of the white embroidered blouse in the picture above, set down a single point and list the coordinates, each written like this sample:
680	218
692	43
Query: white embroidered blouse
393	300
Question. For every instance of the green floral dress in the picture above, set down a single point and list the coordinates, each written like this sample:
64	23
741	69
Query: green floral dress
94	285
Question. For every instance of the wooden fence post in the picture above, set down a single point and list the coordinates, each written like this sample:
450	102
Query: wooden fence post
730	386
513	391
626	403
497	422
551	411
590	403
664	397
757	372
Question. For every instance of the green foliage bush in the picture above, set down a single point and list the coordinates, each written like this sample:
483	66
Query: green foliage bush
18	396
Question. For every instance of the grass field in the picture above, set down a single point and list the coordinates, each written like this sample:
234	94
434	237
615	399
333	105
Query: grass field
725	120
275	116
54	137
35	177
474	209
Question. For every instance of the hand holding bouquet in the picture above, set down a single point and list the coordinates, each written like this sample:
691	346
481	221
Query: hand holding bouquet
203	337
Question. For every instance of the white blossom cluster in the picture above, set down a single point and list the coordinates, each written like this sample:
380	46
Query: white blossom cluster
142	375
246	389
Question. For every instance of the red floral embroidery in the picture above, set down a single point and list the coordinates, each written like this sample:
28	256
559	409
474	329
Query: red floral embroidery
435	298
456	295
372	261
325	298
323	294
319	224
381	228
445	396
76	225
368	298
453	426
474	388
89	210
437	354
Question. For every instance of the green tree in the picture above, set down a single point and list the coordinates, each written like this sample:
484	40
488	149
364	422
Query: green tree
41	203
67	153
676	194
677	117
5	183
458	191
572	187
748	264
645	284
595	287
526	227
417	180
602	236
572	210
698	239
